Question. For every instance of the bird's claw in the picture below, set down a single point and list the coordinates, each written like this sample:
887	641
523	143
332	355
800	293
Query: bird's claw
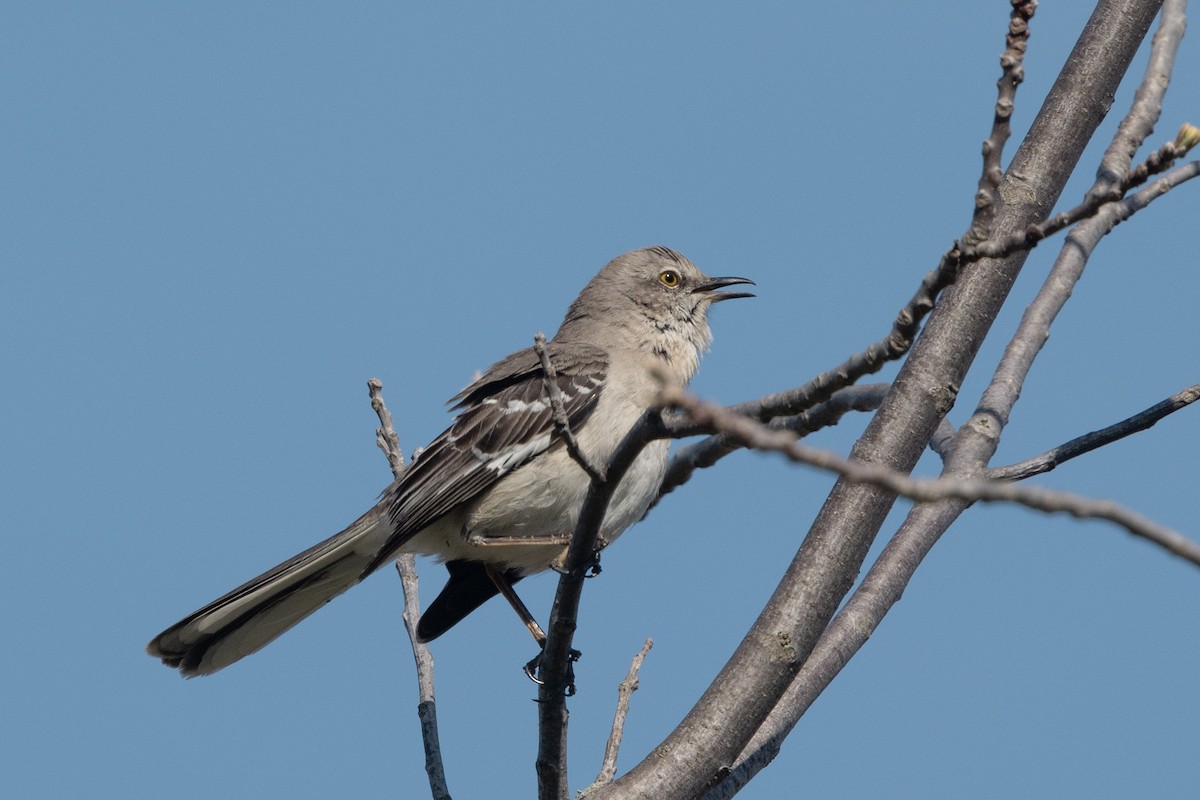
533	668
588	570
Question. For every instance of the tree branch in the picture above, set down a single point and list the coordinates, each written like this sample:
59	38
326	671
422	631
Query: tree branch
907	322
887	578
987	197
1096	439
389	443
1159	161
970	490
385	435
426	705
976	441
551	761
709	451
696	755
608	767
1147	101
855	622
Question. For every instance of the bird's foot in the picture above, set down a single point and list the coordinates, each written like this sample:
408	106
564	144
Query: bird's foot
533	670
588	570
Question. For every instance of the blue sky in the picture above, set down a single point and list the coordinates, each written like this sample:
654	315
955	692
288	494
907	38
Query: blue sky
222	219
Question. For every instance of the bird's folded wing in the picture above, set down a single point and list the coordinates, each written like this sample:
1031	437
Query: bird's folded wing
504	420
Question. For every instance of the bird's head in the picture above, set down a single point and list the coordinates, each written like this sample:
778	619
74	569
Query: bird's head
654	300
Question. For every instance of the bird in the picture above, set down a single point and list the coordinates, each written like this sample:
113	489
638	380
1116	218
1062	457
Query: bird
495	496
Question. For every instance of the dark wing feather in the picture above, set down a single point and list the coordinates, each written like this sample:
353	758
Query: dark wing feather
502	422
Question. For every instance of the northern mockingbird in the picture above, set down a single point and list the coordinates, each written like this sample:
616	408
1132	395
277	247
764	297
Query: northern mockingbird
497	495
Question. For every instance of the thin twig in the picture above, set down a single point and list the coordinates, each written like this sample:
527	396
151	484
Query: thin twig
1011	76
707	452
1157	162
562	425
1090	441
624	692
389	443
426	706
385	434
757	436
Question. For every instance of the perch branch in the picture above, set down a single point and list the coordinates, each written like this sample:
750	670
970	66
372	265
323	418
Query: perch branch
389	443
556	656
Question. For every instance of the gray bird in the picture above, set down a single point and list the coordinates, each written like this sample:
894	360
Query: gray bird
496	496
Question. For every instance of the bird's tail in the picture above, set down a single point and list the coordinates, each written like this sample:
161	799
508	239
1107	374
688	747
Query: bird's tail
254	614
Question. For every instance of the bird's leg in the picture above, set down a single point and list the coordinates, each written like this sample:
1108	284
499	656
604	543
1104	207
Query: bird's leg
505	587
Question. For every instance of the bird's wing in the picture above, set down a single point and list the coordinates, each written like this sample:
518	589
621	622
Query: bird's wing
504	420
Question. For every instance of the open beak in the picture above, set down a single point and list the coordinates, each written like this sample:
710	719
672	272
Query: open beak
709	288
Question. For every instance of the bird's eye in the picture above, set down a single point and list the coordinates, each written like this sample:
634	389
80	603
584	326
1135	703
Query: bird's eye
669	278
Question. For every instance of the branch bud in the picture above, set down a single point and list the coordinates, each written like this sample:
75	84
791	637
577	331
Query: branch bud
1187	138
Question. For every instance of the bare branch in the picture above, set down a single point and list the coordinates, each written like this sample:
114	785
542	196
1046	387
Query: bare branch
887	578
385	434
556	656
559	412
943	438
1091	441
908	321
942	501
978	438
1131	205
697	754
426	706
881	589
624	692
1013	73
755	435
389	443
1157	162
709	451
1147	101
